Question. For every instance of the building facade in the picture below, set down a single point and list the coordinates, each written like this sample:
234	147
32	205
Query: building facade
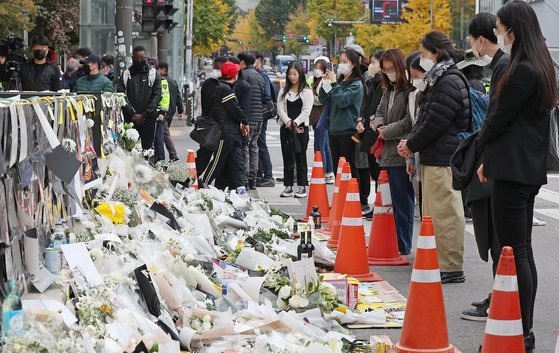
97	31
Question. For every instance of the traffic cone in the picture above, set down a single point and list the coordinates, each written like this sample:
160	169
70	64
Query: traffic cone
383	241
503	329
191	167
328	229
318	196
351	259
425	327
344	180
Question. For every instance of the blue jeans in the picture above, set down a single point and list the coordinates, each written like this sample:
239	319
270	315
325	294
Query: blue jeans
264	160
401	190
322	144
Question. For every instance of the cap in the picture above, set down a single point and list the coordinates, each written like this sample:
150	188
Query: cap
325	58
357	48
91	59
229	69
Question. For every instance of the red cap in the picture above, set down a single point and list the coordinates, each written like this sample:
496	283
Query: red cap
230	69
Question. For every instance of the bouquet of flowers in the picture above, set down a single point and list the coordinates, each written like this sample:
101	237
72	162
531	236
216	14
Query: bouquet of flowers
128	136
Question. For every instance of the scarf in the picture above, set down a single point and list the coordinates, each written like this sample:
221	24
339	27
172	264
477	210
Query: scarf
437	71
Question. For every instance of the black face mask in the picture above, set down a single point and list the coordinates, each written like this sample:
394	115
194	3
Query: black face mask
39	54
139	64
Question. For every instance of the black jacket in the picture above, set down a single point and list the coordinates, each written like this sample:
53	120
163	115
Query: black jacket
45	77
372	96
445	112
207	94
257	93
142	99
242	91
514	136
175	105
228	112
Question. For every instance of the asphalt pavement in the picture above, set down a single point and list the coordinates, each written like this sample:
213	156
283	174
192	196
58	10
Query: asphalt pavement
466	335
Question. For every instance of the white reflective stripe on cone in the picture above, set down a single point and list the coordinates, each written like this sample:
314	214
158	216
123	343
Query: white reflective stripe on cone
503	327
352	196
317	165
346	176
318	181
336	189
425	276
190	165
382	210
426	242
352	222
505	283
340	170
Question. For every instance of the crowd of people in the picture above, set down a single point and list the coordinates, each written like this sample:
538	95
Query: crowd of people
420	118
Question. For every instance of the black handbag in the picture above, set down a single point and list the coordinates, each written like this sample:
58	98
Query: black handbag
207	131
292	145
269	110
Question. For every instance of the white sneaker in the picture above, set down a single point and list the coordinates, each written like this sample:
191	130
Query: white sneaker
330	178
301	192
538	222
287	192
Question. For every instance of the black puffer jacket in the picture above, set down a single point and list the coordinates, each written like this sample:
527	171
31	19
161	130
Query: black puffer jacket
257	93
40	77
143	98
444	113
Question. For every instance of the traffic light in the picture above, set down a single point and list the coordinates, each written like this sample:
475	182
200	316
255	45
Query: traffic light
157	15
284	38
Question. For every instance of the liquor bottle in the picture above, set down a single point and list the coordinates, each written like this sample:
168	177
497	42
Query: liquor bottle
302	247
295	233
69	236
58	236
310	246
12	314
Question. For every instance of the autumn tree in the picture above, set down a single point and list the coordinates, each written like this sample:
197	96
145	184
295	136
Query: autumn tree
212	19
60	21
462	12
415	24
17	16
273	15
299	25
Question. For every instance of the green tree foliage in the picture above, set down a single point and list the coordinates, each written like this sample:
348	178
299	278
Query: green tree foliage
233	14
273	15
299	25
60	21
211	26
461	12
17	16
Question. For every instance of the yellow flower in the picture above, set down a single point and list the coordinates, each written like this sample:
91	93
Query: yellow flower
113	211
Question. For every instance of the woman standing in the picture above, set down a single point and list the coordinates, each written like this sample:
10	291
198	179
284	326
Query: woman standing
319	119
514	140
393	123
294	107
444	113
344	100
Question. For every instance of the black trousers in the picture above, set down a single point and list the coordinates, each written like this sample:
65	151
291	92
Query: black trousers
293	162
364	178
513	210
147	133
343	146
226	167
203	157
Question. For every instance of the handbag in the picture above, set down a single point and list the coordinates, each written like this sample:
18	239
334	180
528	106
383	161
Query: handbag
292	145
376	150
207	130
269	110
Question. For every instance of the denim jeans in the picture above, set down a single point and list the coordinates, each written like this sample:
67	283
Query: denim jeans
401	190
251	152
322	144
264	160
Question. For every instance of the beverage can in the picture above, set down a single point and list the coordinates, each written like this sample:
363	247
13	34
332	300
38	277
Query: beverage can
52	260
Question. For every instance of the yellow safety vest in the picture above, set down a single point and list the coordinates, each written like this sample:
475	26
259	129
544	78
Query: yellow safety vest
165	101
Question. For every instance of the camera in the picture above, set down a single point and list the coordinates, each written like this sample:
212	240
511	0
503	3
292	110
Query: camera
13	49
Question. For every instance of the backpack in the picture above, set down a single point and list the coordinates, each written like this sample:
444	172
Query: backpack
479	103
151	77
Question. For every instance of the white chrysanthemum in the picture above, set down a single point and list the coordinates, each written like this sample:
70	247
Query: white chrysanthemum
90	123
298	301
96	253
69	145
281	304
207	318
284	292
206	326
132	134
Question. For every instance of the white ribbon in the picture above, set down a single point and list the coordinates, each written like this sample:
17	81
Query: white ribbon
49	132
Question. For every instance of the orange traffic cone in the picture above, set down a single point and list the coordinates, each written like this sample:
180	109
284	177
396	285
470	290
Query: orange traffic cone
351	259
191	167
383	242
328	229
425	327
344	180
318	196
503	330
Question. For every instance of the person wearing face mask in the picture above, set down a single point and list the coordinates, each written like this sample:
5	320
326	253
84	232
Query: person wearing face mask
392	123
227	165
71	75
444	113
39	74
514	143
95	81
318	119
142	86
343	97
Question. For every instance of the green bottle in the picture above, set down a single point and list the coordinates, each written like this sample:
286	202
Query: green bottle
12	313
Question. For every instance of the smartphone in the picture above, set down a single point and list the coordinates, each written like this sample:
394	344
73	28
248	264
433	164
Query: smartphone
330	67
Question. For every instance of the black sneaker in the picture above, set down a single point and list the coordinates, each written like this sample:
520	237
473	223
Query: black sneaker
251	185
475	314
301	192
484	302
266	183
530	342
369	215
453	277
287	192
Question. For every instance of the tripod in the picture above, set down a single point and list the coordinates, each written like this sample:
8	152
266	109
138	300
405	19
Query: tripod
15	81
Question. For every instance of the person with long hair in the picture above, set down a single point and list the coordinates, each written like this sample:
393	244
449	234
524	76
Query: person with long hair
343	97
444	113
514	140
392	123
319	119
294	107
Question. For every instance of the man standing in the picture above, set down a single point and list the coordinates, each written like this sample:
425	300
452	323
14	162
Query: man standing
71	75
175	106
108	67
257	93
95	81
38	74
142	86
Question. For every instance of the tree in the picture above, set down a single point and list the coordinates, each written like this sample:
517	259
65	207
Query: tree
273	15
415	24
58	20
320	11
212	19
462	12
299	25
249	35
17	16
233	14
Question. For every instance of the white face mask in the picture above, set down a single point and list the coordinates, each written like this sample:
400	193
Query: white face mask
318	73
344	69
373	69
420	84
215	73
506	48
426	64
392	77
